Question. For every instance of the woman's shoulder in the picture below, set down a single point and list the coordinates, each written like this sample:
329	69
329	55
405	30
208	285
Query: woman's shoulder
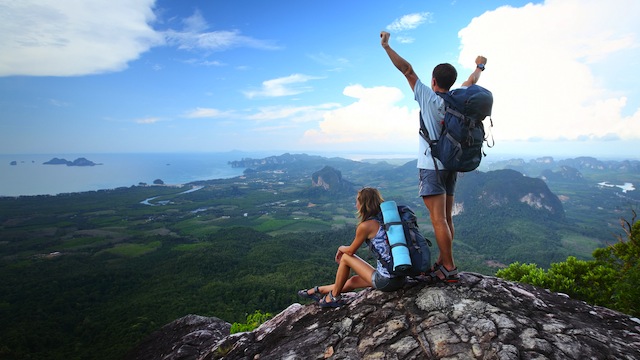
375	219
370	226
371	221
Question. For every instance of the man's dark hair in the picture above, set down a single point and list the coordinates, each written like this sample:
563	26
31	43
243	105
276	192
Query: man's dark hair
445	75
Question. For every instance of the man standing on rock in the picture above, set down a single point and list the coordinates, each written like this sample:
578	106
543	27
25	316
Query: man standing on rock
436	187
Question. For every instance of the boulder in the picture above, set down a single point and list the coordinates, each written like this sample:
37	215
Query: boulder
481	317
189	337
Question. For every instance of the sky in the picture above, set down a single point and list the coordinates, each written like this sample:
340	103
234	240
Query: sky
140	76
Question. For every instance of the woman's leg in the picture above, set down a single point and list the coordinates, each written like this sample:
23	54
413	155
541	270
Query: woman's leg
343	282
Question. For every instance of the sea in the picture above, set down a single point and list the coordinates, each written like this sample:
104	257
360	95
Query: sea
29	176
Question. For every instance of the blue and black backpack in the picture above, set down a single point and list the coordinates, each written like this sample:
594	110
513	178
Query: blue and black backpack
459	146
419	254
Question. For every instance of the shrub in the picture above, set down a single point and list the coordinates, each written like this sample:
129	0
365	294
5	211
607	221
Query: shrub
612	279
253	321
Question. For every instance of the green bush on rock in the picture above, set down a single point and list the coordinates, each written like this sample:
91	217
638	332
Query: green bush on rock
612	279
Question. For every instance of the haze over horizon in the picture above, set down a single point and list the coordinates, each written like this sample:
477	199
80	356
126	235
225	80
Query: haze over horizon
125	76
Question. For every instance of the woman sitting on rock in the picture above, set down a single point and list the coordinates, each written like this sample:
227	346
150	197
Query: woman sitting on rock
369	230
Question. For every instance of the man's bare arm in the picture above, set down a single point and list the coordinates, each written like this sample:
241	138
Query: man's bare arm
401	64
481	61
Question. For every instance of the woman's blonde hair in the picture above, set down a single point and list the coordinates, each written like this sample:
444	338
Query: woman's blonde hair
370	200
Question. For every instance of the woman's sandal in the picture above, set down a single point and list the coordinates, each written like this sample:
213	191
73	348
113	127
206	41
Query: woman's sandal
316	296
450	276
334	302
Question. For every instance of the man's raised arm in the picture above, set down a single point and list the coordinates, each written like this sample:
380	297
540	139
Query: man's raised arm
400	63
481	61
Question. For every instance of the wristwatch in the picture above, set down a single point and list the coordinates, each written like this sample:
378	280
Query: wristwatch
481	67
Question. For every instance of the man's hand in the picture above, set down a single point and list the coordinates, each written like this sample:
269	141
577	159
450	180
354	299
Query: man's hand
384	39
481	60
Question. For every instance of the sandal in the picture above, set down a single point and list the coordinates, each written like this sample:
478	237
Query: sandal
316	296
426	276
334	302
450	276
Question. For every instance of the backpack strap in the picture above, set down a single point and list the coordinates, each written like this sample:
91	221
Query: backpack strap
425	135
493	142
454	112
388	225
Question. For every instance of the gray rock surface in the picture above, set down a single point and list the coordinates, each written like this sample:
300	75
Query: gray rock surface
481	317
189	337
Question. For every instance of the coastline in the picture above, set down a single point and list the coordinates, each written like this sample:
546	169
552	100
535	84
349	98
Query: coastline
30	177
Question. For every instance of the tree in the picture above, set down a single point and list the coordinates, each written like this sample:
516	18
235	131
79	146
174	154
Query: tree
623	259
612	279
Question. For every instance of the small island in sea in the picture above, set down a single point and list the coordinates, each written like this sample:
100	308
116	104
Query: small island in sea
77	162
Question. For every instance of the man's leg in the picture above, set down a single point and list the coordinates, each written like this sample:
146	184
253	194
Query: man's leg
449	211
438	206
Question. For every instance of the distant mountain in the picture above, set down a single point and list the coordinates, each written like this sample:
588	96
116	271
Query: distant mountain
331	179
291	161
589	163
535	167
565	173
510	216
304	165
507	189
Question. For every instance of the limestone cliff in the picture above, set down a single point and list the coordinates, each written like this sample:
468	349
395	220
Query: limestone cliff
482	317
331	179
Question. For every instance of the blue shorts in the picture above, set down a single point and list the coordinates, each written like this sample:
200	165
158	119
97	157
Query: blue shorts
383	283
430	184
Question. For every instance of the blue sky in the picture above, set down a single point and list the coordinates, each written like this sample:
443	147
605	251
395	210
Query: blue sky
112	76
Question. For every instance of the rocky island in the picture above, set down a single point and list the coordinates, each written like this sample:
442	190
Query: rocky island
77	162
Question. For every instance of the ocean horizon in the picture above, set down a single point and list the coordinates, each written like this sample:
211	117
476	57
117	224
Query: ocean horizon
30	177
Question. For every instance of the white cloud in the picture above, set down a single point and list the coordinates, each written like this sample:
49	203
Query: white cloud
68	38
58	103
552	68
198	113
409	22
214	40
148	120
294	114
336	63
284	86
73	38
200	62
373	121
195	36
405	39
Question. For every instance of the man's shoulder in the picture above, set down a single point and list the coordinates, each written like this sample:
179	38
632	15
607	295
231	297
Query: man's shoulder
423	91
420	84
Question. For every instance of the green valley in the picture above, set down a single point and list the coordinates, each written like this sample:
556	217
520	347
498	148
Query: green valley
88	275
